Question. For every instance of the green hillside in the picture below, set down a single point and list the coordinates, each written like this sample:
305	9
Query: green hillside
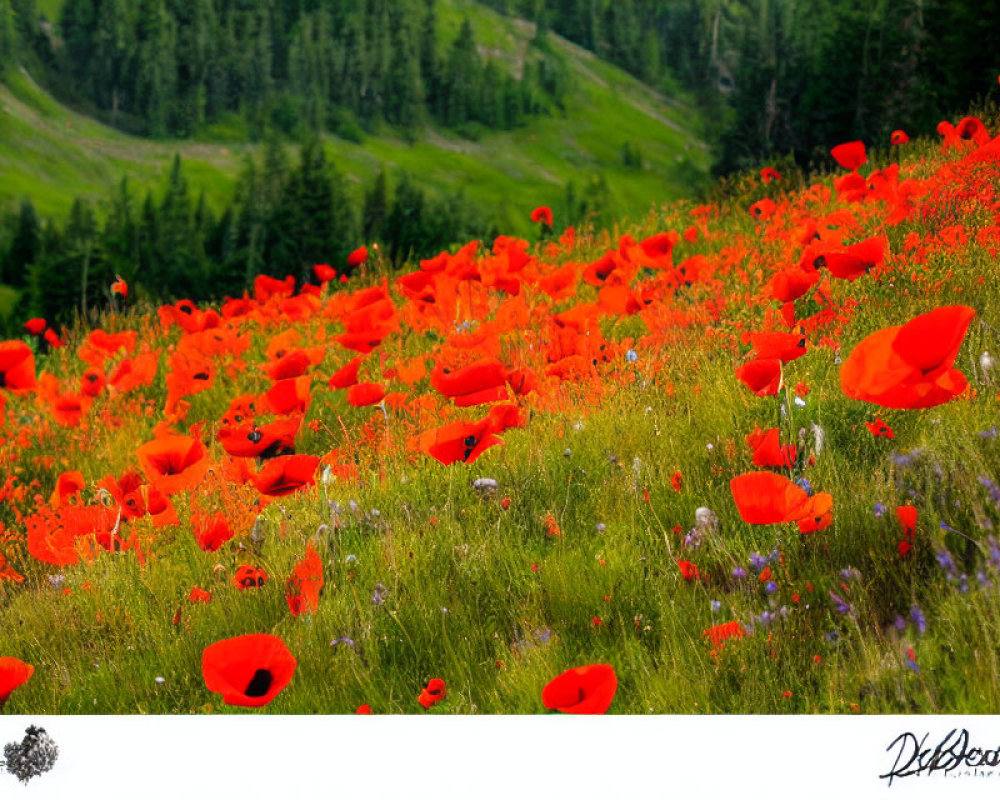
52	154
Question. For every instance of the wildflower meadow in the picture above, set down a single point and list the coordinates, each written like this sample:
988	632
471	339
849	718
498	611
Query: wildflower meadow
738	457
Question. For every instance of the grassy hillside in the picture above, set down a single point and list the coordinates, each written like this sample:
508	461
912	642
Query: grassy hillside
632	513
53	154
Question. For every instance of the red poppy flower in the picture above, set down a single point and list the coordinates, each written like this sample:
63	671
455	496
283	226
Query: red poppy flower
174	462
899	137
289	365
324	272
850	155
356	257
119	287
365	709
543	214
248	670
791	283
769	174
768	451
688	570
676	480
582	690
286	474
199	595
765	498
481	382
17	366
265	287
763	209
434	692
304	584
718	634
972	128
908	520
289	396
248	441
211	533
783	346
858	259
248	577
457	441
35	326
879	428
762	376
92	382
13	672
8	573
134	372
909	366
101	345
347	375
365	394
68	484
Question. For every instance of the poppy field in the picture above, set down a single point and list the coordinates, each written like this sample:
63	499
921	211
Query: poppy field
741	457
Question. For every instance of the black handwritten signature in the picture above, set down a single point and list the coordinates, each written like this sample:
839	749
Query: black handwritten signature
951	753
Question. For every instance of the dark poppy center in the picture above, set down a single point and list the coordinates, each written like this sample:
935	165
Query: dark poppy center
200	376
3	380
259	684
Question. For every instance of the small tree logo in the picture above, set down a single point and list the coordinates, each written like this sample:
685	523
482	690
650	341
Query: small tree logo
35	754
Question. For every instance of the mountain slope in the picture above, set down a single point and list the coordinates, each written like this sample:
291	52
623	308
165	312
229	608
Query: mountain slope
53	154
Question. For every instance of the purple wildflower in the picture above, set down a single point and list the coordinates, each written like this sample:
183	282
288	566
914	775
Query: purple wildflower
918	619
900	623
879	510
946	563
842	605
739	573
757	561
770	587
803	483
994	549
991	487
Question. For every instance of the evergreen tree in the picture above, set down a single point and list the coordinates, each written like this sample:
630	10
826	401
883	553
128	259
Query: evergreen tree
404	91
7	43
429	66
108	58
178	241
121	234
405	232
153	70
375	208
25	247
462	78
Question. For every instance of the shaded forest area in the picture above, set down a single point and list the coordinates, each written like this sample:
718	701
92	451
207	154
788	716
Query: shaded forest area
788	76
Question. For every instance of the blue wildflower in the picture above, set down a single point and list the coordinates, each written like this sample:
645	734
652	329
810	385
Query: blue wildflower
757	561
918	619
631	356
716	605
770	587
739	573
990	434
879	510
803	483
